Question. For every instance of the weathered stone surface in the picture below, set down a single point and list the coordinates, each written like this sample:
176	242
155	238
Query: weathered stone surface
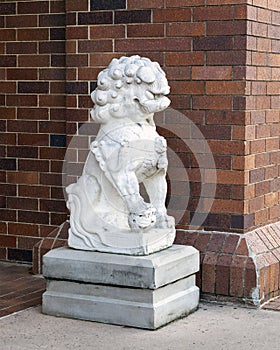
146	291
151	271
144	308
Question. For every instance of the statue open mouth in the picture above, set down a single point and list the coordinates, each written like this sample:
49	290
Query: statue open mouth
159	103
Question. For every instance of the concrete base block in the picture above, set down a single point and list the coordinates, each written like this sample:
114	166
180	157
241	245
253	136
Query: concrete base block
143	295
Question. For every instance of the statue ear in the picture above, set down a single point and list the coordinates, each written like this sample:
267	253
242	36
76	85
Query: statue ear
146	74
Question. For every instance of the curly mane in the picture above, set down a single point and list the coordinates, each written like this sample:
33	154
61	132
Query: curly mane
122	74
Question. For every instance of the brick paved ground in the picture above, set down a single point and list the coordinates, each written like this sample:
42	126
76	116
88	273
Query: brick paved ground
19	289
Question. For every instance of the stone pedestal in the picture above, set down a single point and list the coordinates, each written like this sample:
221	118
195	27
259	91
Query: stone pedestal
139	291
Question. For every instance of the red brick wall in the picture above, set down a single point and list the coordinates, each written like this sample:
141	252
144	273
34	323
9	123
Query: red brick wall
32	120
203	51
263	112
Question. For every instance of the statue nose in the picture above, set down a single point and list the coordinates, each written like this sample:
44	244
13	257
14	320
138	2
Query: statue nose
165	102
166	90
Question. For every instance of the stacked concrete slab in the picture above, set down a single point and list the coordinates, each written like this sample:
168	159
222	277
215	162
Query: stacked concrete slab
140	291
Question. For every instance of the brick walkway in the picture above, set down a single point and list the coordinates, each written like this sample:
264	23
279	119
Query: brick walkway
19	289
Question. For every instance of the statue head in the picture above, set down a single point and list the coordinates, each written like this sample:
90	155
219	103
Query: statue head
130	87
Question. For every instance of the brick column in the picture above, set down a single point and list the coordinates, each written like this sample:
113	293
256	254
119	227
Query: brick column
241	262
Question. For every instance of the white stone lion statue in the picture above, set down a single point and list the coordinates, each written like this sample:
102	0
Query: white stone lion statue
107	211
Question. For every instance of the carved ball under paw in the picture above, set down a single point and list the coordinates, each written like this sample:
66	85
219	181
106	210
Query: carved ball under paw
143	220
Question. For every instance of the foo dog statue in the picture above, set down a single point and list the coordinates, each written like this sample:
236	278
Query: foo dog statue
107	211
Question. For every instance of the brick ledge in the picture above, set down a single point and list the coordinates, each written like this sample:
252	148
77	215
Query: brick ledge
57	238
237	267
